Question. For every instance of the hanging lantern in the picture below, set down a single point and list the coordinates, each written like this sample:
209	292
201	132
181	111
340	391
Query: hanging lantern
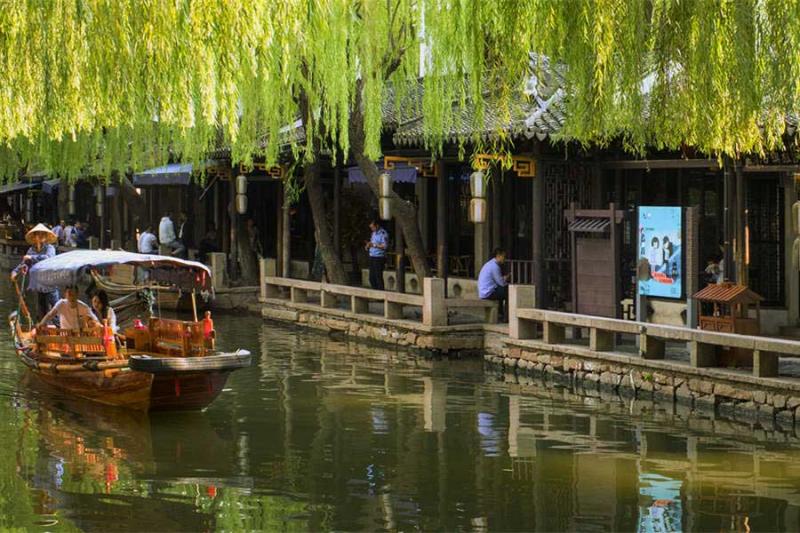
71	201
384	208
477	184
385	184
241	184
241	203
477	210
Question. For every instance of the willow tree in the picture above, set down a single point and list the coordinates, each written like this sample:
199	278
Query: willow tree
100	86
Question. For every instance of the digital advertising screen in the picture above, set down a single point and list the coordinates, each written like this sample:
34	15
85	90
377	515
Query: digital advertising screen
659	267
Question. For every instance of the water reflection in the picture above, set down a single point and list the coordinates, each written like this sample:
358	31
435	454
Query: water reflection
328	434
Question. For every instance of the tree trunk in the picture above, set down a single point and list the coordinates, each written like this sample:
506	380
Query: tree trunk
319	210
244	257
330	255
405	213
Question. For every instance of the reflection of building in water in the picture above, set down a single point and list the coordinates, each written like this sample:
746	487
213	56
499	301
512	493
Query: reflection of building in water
660	508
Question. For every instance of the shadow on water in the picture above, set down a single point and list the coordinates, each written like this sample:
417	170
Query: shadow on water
324	433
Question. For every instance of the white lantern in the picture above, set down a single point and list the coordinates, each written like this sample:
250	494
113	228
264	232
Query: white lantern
241	204
477	210
477	184
385	184
384	208
241	184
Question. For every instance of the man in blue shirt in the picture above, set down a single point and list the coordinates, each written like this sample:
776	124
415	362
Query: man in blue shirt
376	247
492	284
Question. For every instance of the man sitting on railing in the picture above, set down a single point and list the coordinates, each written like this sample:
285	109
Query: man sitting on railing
492	284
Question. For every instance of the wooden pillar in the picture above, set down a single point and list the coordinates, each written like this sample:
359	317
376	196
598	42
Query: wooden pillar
497	213
537	227
116	218
728	209
400	247
421	191
232	220
615	254
741	267
279	231
103	214
441	220
337	202
286	235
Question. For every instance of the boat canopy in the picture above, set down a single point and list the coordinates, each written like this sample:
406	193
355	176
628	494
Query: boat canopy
67	268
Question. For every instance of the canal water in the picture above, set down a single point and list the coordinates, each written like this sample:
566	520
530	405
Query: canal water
326	434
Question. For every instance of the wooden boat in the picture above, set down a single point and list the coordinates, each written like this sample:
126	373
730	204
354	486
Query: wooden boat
159	364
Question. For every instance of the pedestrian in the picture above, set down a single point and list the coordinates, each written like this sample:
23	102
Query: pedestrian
185	233
68	238
148	243
41	240
376	247
208	245
167	235
492	284
254	235
58	230
81	234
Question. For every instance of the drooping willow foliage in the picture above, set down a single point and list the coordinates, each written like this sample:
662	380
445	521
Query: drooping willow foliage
96	86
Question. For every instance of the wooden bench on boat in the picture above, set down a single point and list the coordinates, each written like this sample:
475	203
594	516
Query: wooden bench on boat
176	338
70	342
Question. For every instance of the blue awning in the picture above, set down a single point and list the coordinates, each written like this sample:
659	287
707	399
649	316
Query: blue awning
400	174
50	186
17	186
173	174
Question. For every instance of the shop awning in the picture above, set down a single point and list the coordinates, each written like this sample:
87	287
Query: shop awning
399	174
590	224
17	186
172	174
50	186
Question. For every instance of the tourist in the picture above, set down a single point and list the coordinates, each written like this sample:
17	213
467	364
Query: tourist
58	230
208	245
255	238
103	311
185	232
72	313
147	243
68	238
376	246
81	234
492	284
167	235
41	240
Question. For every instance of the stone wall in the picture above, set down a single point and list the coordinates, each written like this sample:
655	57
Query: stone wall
742	398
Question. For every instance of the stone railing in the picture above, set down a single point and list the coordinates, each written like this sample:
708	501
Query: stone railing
704	346
433	303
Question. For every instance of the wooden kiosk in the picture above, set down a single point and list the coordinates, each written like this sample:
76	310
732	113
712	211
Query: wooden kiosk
725	307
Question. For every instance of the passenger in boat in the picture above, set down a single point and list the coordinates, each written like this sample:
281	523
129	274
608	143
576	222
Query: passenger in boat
103	310
72	313
41	240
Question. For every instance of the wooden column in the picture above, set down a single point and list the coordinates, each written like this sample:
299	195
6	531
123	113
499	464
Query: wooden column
497	213
728	193
232	221
400	247
116	218
286	235
441	221
739	220
615	253
104	216
337	202
537	232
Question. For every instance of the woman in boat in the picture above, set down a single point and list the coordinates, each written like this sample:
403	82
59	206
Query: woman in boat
41	239
73	314
103	310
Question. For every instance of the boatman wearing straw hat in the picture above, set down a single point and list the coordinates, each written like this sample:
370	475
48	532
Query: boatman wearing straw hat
41	239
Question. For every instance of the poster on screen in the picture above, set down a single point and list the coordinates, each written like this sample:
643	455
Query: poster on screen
659	267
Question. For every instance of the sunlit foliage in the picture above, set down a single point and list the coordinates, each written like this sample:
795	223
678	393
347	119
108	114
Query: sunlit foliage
94	86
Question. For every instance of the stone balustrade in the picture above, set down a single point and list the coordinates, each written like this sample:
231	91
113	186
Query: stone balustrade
704	346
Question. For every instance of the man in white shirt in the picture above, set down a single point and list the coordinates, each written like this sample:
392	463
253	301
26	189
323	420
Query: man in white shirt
68	236
167	237
148	243
73	314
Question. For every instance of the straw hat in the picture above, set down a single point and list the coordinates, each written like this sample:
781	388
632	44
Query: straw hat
50	237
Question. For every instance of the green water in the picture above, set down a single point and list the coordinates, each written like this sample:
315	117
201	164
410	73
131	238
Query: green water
325	434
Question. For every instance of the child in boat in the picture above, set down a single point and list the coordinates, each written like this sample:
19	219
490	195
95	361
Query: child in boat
41	240
73	314
104	311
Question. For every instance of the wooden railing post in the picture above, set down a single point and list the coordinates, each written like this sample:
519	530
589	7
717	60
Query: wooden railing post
519	297
434	311
552	333
392	310
298	295
359	305
702	355
327	299
262	278
601	340
650	347
216	261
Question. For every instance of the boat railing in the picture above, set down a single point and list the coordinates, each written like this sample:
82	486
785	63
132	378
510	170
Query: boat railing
76	343
178	337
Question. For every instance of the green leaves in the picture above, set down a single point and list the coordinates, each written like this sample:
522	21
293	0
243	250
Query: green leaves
97	86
